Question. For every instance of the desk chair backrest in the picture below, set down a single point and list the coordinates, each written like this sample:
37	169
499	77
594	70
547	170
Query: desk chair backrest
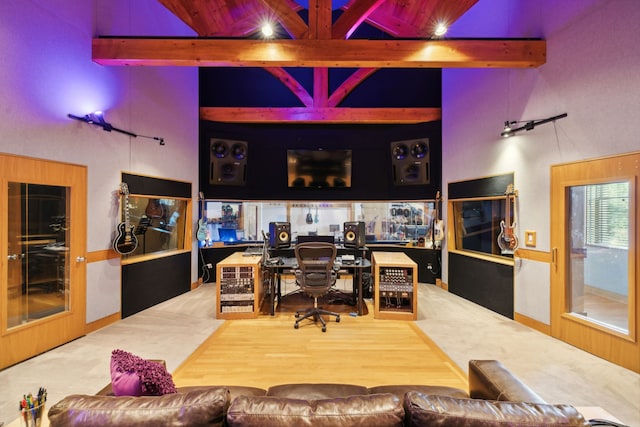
315	266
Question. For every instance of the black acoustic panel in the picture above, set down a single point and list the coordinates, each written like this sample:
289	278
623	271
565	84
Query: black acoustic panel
354	234
489	284
371	171
483	187
279	235
228	162
147	283
146	185
410	162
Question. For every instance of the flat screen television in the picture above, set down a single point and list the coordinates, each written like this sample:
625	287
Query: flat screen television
319	168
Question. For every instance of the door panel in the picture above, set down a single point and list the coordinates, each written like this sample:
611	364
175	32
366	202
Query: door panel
594	238
42	236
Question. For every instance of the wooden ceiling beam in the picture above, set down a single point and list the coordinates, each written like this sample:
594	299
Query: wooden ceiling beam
320	115
320	53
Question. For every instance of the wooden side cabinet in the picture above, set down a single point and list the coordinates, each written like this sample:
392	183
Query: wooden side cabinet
396	291
239	287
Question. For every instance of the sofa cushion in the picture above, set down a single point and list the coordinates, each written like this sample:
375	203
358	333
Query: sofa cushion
201	407
134	376
374	410
310	391
401	390
425	410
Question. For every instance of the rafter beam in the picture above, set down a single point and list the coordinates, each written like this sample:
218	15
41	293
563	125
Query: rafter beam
320	53
320	115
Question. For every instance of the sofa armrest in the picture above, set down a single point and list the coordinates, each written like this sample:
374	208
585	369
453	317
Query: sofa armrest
490	380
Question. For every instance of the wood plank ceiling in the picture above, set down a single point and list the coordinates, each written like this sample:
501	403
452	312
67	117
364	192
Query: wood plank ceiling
227	32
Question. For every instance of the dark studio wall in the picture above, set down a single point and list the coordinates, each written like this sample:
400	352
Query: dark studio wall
266	163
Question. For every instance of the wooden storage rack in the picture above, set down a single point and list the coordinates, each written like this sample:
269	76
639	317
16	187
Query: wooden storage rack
396	292
239	290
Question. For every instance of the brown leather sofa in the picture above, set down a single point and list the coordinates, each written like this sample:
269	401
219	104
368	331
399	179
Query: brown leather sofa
495	398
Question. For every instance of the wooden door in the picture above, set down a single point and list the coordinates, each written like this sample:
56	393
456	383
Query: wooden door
594	240
42	256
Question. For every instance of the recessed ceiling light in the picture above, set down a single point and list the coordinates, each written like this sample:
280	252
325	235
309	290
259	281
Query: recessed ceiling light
441	29
267	29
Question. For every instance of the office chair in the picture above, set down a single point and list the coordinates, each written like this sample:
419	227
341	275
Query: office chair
315	276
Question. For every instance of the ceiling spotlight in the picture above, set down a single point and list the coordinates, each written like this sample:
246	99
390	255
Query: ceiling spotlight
267	29
509	129
441	29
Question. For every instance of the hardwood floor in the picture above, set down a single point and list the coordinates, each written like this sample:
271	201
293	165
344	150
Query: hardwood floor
357	350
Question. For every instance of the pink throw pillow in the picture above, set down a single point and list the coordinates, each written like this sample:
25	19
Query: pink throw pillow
134	376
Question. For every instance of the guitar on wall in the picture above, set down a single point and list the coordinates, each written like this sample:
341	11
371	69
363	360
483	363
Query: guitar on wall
126	240
507	239
202	234
438	224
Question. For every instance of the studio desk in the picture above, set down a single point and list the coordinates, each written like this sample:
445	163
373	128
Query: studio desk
279	265
247	285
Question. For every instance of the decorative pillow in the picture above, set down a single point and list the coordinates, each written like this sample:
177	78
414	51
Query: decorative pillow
134	376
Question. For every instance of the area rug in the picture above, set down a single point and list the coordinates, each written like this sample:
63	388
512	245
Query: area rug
361	350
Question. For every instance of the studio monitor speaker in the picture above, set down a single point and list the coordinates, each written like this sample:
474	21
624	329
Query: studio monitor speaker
228	162
410	162
279	235
354	234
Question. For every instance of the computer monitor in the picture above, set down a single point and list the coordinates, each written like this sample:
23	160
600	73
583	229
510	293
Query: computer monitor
227	235
327	239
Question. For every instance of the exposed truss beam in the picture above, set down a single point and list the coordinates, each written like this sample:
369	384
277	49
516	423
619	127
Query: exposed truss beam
320	53
320	115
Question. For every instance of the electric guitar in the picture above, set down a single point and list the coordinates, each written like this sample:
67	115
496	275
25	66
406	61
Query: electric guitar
507	239
126	241
438	224
202	233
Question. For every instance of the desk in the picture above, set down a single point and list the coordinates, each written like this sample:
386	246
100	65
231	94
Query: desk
286	265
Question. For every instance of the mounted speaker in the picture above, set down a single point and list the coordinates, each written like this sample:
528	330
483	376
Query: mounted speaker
279	235
228	162
354	236
410	162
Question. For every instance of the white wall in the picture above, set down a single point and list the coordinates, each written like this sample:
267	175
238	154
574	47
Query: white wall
47	73
591	73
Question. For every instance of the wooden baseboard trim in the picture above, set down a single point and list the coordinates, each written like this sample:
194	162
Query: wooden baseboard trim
532	323
101	323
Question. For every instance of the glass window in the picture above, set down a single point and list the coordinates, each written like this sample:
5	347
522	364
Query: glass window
158	224
230	222
477	225
39	230
598	253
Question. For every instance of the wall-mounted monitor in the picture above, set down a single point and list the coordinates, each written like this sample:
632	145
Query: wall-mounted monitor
319	168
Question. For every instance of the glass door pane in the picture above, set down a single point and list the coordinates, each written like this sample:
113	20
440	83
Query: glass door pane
38	255
598	254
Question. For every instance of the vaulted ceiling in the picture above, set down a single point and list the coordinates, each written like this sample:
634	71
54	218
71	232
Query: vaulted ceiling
228	37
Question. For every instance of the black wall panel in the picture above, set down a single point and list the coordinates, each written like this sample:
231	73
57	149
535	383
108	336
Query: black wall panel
487	283
371	168
148	283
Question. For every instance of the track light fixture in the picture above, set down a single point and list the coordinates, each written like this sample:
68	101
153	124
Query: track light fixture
97	119
510	127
